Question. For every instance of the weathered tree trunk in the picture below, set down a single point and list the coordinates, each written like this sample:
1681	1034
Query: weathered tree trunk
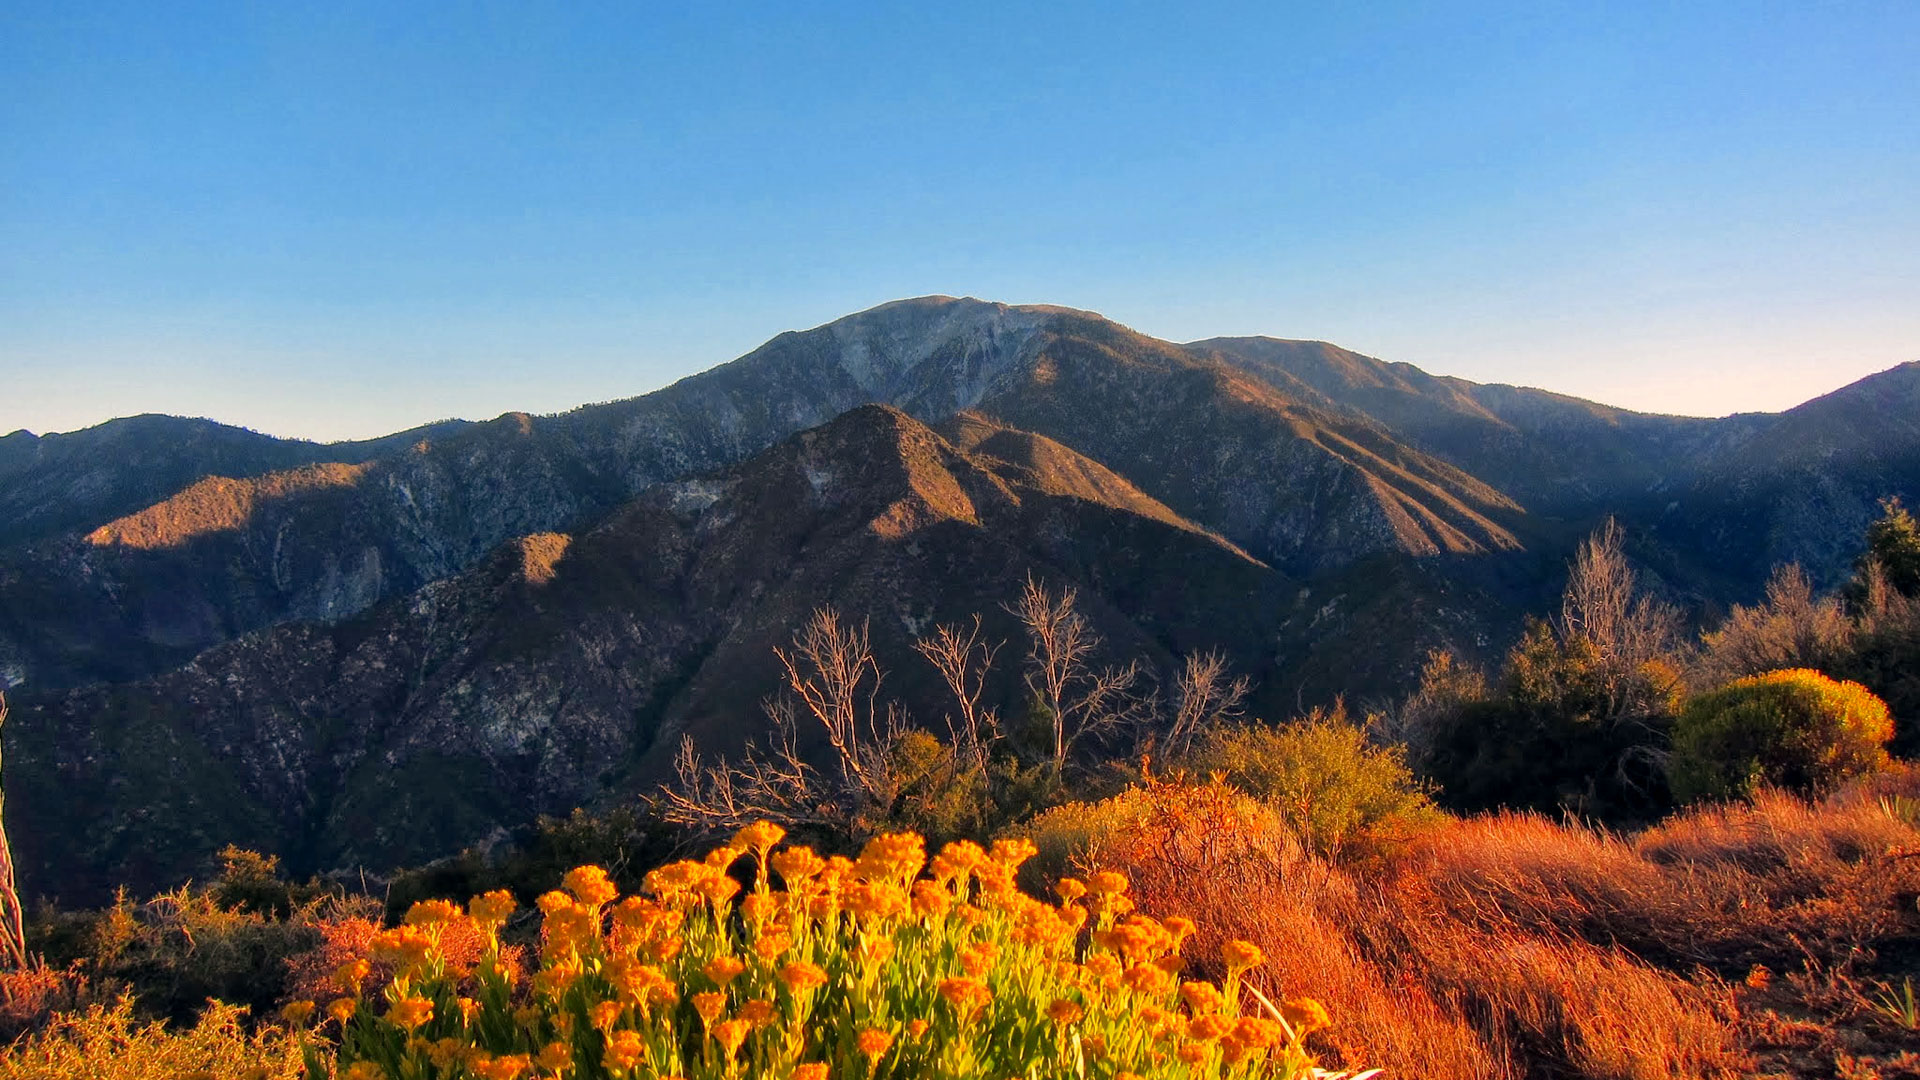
13	931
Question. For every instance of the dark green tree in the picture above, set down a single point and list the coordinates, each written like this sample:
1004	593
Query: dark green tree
1893	548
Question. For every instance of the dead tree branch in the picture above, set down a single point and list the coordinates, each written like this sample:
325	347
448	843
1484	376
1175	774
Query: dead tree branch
831	679
963	661
1203	691
1078	698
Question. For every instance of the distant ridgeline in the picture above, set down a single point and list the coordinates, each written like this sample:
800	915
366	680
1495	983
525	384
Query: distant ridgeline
376	653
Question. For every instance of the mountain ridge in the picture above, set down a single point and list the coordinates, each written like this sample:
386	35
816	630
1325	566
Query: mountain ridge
457	627
560	669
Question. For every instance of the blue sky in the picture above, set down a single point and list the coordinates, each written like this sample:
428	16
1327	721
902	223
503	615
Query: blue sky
340	220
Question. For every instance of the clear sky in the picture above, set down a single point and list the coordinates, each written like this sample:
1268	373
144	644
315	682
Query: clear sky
342	219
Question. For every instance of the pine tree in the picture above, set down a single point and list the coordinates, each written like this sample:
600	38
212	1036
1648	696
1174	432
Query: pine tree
1893	543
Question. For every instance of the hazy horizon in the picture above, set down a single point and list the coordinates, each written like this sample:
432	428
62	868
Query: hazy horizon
346	432
336	222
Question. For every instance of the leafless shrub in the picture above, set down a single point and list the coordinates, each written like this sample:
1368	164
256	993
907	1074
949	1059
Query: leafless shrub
1078	699
1792	628
963	661
1447	685
1602	604
832	679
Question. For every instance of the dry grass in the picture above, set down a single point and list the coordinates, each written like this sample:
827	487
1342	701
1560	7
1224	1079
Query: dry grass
108	1043
1186	856
32	995
1512	945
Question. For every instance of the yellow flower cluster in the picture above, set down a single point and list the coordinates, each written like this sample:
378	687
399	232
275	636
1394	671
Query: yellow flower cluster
761	961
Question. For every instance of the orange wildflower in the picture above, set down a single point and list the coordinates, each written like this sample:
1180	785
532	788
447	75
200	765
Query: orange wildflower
723	969
591	886
1241	955
709	1005
759	837
873	1042
1306	1015
797	865
731	1033
491	909
759	1012
801	976
623	1050
410	1012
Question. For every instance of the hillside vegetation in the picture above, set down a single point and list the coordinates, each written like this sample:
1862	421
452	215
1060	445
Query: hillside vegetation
1124	708
1228	898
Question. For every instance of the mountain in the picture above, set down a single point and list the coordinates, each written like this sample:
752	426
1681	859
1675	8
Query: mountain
565	667
1802	485
1296	485
374	652
51	484
1549	451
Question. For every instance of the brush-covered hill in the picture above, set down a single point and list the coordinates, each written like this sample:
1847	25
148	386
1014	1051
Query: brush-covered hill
566	668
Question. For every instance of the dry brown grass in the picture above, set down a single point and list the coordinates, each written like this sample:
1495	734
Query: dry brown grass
1512	945
1186	856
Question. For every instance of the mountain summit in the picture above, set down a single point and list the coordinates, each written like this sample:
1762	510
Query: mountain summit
266	637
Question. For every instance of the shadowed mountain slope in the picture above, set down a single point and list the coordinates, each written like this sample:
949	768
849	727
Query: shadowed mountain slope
1288	482
376	652
51	484
1550	451
564	668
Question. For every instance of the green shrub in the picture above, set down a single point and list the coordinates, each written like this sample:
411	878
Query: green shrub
1567	727
1795	729
1328	783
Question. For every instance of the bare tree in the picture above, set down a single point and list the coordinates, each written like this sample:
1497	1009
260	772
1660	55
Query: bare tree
1603	605
1078	698
963	661
832	679
13	932
776	785
1632	635
1792	628
1203	691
